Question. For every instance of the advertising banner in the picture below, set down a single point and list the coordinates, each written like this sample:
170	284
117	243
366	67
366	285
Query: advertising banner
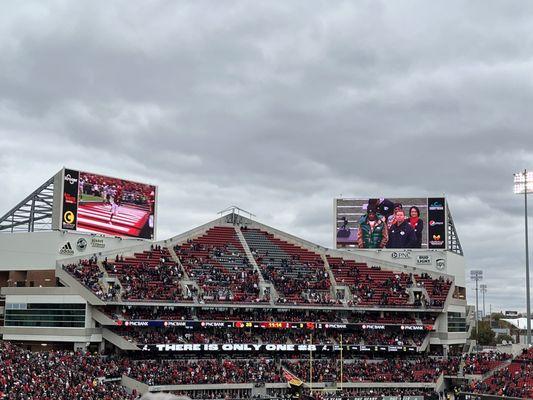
436	223
391	223
70	199
286	348
271	325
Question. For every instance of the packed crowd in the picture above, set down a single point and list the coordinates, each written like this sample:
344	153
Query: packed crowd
263	315
218	394
90	275
348	394
183	372
390	370
143	336
481	363
150	276
57	375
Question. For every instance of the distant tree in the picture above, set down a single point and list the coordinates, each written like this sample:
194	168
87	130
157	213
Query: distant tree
502	336
486	336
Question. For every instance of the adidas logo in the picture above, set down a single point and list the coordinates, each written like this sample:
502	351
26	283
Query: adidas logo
67	249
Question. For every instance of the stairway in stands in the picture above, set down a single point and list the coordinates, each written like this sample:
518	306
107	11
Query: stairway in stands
217	261
298	274
359	277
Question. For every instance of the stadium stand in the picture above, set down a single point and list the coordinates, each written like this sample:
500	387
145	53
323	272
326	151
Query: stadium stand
197	372
298	274
59	375
437	288
212	284
148	276
389	370
481	363
516	380
90	275
370	285
180	335
218	263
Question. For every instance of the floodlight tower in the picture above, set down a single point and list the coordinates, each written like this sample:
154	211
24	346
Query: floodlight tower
523	184
483	288
476	275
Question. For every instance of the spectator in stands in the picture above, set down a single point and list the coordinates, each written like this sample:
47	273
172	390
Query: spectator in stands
372	232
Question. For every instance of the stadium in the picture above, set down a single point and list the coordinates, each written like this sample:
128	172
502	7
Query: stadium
95	306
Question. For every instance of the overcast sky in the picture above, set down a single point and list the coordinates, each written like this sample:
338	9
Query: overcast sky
278	107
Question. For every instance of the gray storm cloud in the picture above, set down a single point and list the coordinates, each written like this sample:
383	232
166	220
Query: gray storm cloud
279	107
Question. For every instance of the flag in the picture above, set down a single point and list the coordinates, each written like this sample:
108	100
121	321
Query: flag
292	379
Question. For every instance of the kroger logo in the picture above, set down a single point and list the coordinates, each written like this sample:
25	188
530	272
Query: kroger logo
70	179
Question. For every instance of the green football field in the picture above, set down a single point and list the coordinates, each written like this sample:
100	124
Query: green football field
90	197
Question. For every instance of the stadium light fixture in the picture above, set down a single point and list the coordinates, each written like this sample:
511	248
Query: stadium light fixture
483	288
523	184
476	275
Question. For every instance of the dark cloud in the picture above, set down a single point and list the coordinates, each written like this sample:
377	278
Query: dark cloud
278	107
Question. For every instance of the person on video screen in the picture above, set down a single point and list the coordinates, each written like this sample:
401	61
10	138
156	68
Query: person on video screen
392	218
401	233
372	232
417	224
384	207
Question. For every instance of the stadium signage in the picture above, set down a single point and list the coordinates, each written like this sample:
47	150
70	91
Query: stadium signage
137	323
98	243
209	324
372	326
66	250
352	226
412	328
287	348
333	326
437	223
270	325
401	255
81	244
106	205
423	260
175	323
70	200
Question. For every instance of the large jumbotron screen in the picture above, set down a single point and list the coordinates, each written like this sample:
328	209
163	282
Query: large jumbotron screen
391	223
112	206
